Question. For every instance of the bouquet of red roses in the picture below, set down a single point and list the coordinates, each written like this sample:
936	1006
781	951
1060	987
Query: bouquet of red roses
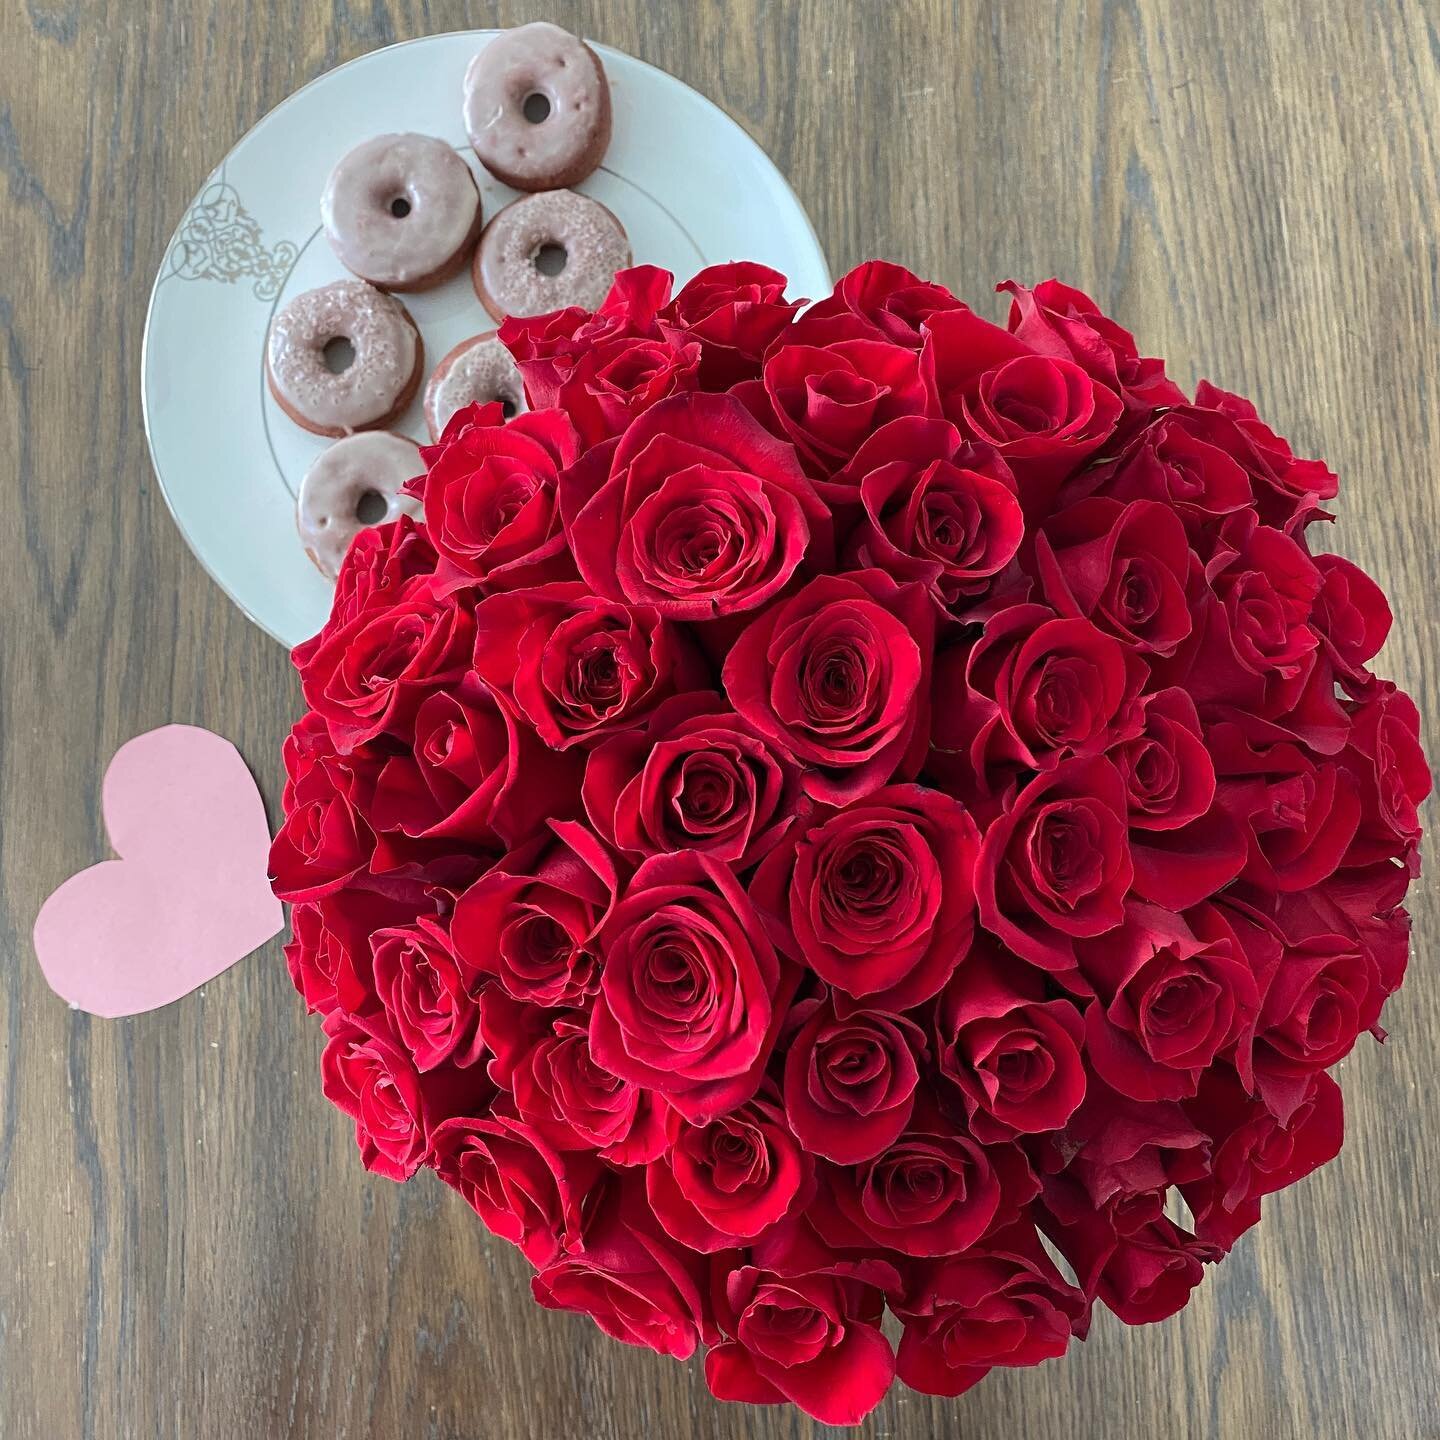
845	809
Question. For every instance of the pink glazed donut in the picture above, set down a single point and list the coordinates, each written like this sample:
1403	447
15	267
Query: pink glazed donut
402	211
477	370
537	107
354	484
344	357
544	252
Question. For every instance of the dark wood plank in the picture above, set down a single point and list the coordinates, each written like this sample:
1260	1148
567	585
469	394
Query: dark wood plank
187	1244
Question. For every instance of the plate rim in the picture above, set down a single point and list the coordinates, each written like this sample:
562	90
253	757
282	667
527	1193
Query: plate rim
209	178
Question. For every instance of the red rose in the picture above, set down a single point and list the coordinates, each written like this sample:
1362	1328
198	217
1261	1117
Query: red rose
937	510
1386	766
1045	415
889	301
734	311
523	1190
1013	1056
1253	643
1182	459
324	841
1169	775
634	1282
380	561
1036	687
489	496
1351	614
1255	1154
802	1325
329	956
691	992
1005	1304
619	379
837	676
729	1180
1287	489
1126	567
1297	816
1116	1158
426	998
1055	319
578	668
365	1074
877	898
933	1192
575	1104
697	778
1151	1271
1056	865
371	675
850	1082
829	806
826	399
532	920
472	774
697	510
1324	992
1171	997
1183	847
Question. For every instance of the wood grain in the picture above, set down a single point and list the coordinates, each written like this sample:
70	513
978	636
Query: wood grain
188	1247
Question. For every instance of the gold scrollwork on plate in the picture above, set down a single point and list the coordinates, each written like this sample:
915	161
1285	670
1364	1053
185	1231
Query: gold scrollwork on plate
219	240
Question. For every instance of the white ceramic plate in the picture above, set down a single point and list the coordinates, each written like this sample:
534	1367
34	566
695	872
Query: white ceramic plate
691	188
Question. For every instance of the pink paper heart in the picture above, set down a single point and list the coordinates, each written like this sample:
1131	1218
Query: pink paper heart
189	895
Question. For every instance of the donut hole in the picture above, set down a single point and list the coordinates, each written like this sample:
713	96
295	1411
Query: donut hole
370	508
399	207
339	354
507	407
551	259
536	107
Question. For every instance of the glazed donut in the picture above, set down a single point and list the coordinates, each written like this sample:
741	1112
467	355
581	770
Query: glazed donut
478	369
401	211
339	490
537	107
544	252
306	367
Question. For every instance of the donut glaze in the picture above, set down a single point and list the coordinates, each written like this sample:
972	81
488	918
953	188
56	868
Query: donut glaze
551	68
328	510
373	388
507	273
478	369
401	211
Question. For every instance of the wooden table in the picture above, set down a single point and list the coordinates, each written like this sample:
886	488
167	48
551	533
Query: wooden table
188	1245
